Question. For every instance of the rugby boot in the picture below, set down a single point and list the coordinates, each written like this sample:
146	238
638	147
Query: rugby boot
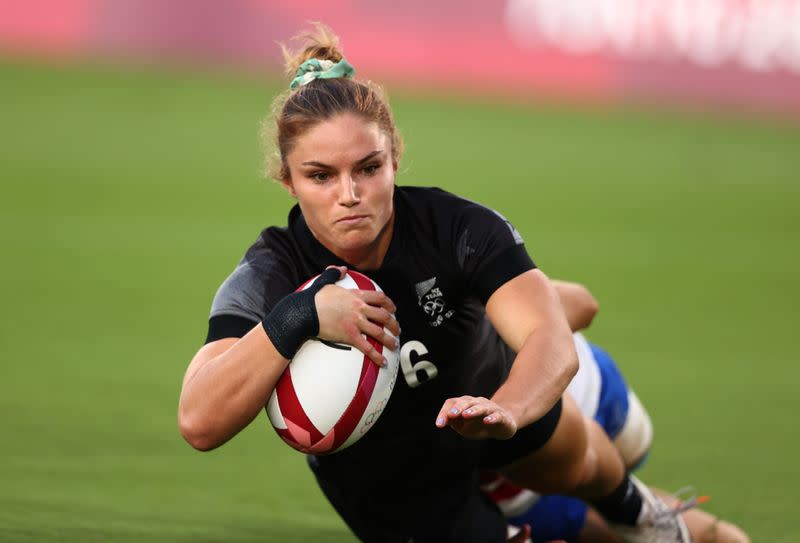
657	523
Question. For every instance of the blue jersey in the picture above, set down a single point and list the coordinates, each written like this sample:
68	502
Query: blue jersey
599	388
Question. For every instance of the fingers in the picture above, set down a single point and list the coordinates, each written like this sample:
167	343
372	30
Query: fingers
378	333
480	410
476	418
382	317
376	298
360	342
371	352
378	313
367	336
454	407
348	316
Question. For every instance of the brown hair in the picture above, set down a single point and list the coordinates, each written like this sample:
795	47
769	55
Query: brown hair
294	112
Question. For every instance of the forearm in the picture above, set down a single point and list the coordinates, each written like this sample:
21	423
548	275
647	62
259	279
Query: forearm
543	368
528	316
222	393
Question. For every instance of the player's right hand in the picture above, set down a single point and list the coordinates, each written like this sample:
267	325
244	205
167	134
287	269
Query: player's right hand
347	315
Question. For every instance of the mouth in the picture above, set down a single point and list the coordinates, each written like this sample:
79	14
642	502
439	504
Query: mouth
351	219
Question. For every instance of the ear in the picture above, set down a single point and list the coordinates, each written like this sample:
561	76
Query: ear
394	166
287	184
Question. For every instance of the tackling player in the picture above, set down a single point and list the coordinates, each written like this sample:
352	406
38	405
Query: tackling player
602	394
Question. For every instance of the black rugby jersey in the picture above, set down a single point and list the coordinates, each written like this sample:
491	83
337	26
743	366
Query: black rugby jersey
446	257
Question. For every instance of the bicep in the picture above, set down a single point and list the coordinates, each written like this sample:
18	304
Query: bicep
523	304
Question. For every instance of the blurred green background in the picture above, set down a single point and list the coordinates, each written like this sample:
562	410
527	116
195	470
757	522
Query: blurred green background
128	196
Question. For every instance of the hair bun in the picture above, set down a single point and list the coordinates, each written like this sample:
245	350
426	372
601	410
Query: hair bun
320	43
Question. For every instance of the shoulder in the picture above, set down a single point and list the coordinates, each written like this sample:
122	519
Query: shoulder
273	248
459	222
440	205
430	198
263	275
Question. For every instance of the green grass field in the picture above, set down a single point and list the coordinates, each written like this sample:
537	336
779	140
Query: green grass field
127	198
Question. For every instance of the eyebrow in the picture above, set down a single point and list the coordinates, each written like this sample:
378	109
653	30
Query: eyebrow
373	154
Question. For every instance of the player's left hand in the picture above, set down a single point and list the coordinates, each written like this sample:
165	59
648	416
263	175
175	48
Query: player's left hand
477	418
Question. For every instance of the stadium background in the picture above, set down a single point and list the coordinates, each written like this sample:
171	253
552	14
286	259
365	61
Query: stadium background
648	152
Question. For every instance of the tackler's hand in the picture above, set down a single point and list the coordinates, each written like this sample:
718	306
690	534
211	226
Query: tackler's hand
477	418
362	318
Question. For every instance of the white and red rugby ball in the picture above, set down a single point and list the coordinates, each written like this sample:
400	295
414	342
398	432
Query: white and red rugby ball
331	394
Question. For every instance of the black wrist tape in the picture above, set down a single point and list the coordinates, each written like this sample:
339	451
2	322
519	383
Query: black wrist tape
294	319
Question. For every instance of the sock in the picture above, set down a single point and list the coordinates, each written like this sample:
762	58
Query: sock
623	505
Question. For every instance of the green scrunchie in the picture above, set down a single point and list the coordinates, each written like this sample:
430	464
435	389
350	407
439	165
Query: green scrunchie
321	69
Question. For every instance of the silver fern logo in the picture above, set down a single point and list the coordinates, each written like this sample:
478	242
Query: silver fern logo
431	299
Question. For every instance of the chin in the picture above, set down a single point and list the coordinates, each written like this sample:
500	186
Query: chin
355	240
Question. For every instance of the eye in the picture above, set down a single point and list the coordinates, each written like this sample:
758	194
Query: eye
371	169
320	177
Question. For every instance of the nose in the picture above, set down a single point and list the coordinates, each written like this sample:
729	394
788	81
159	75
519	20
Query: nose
348	191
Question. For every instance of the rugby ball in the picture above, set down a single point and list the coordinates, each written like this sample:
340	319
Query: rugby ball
331	394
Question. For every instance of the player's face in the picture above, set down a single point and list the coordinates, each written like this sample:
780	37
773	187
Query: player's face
342	174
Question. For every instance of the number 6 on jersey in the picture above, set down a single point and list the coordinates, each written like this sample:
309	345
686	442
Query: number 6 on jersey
410	371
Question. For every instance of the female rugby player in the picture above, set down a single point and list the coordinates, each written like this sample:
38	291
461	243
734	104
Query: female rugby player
486	352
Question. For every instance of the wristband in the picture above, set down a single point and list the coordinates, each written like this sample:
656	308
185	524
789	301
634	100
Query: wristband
294	319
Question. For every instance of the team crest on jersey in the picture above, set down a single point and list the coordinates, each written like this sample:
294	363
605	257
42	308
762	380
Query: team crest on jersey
432	302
